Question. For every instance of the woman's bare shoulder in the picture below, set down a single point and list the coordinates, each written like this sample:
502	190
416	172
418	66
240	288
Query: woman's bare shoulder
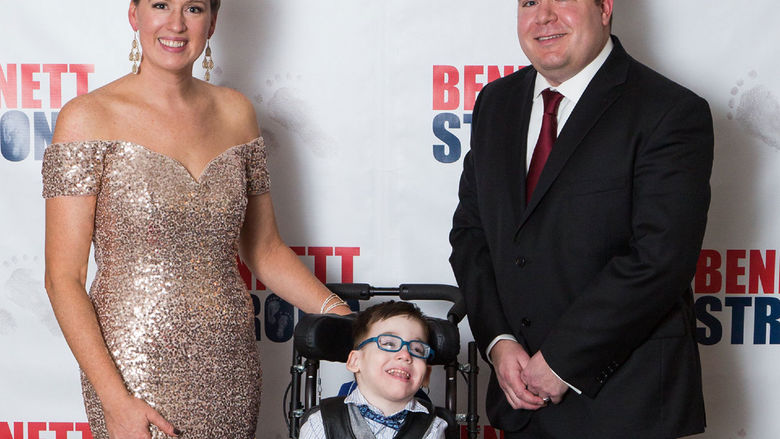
236	111
88	117
233	101
78	120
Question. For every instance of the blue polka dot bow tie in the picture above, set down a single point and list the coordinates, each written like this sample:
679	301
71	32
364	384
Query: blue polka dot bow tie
393	421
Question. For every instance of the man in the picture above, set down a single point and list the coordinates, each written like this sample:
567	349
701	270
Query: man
579	225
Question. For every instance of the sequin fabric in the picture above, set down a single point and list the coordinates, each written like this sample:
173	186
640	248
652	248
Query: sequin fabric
175	314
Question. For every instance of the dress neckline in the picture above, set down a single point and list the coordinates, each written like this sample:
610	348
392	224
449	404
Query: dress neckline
197	179
182	166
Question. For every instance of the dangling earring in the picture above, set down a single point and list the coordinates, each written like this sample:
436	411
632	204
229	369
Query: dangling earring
208	63
135	53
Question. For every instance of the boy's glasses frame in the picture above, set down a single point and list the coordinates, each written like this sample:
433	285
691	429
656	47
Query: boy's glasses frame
394	343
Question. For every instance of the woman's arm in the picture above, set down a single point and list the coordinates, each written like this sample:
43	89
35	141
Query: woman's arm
276	265
68	236
69	228
260	245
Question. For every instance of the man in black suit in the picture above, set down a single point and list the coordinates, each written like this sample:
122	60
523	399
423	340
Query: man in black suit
580	221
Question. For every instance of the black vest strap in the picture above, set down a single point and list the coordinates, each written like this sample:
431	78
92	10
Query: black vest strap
335	419
416	424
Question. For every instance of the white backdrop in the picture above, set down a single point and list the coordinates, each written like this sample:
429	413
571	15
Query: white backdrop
349	102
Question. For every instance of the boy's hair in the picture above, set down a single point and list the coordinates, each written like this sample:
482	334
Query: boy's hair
384	311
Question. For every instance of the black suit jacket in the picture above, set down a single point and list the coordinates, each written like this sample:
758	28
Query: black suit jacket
595	270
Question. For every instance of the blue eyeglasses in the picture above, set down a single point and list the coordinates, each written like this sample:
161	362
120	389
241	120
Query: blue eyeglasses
394	343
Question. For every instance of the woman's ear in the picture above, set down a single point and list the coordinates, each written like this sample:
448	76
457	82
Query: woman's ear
353	361
131	15
213	26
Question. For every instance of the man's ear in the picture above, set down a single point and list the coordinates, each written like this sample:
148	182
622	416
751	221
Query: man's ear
606	12
353	361
427	378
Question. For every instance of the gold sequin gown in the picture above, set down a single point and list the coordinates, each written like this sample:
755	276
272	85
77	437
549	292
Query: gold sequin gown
176	316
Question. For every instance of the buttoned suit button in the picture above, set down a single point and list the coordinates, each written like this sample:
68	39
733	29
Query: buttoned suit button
525	322
520	261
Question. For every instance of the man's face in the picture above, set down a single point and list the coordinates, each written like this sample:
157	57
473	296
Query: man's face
389	380
561	37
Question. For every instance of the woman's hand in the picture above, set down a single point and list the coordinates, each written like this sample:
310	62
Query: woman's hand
130	417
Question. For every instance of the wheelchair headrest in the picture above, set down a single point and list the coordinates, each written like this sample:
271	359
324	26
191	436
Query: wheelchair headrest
324	336
329	337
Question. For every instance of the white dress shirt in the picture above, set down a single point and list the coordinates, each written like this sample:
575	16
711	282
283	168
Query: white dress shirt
314	429
571	89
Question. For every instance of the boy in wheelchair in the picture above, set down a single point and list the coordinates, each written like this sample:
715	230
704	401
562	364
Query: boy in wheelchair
390	349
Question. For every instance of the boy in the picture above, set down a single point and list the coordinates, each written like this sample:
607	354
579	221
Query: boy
389	362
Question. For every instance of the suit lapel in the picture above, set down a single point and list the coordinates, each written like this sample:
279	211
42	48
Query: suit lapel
603	90
519	111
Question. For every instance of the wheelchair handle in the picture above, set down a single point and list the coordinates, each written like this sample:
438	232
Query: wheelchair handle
406	292
458	311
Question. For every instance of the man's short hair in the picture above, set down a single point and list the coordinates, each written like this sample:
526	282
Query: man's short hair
384	311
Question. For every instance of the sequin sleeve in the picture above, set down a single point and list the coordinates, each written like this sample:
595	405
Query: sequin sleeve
257	179
72	168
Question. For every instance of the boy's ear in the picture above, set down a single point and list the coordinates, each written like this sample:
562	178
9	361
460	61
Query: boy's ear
353	361
427	378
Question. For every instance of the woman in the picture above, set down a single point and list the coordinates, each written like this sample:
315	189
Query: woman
166	174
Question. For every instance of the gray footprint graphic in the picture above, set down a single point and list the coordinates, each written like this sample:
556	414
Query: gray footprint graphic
289	111
757	110
7	322
24	287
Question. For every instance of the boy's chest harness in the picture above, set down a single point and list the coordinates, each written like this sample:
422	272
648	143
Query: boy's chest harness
344	421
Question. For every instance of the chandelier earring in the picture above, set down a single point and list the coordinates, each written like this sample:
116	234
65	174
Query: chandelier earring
208	63
135	53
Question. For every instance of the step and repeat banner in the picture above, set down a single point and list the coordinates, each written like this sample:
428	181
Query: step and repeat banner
366	108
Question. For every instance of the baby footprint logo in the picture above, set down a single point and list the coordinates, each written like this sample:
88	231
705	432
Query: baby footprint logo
23	286
289	111
279	323
757	110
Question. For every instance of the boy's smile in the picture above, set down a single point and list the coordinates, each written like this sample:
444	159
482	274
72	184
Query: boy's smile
401	374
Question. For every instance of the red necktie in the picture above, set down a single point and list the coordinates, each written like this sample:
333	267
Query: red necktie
547	136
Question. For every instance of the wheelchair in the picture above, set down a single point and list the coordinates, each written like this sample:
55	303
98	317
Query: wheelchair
328	337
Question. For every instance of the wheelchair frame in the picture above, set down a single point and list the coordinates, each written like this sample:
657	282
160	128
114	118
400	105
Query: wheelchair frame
406	292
